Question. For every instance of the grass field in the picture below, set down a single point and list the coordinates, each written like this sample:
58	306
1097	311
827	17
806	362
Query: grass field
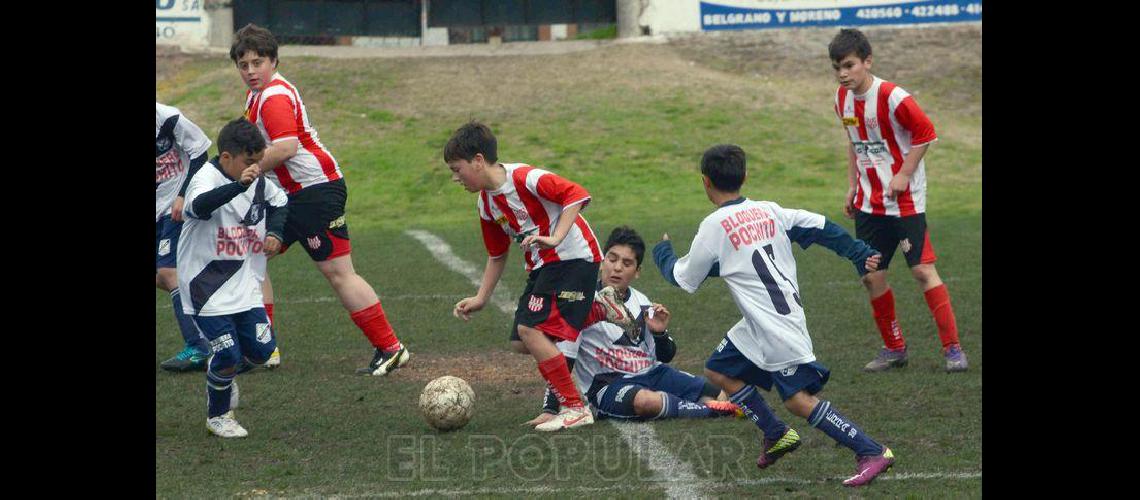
628	122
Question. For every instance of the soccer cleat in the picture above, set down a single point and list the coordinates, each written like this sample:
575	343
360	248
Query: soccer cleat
225	426
886	360
568	418
189	359
955	359
724	408
274	359
616	312
384	363
870	467
773	450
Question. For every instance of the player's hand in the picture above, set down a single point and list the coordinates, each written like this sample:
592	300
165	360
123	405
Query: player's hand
249	174
539	241
464	308
849	204
272	246
872	263
899	184
176	209
542	418
659	322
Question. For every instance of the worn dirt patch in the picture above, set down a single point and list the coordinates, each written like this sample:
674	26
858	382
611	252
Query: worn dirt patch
500	368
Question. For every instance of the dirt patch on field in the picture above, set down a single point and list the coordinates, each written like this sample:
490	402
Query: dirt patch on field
498	368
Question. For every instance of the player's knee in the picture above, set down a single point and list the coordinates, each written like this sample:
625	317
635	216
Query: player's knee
519	347
261	353
166	278
719	379
647	403
924	273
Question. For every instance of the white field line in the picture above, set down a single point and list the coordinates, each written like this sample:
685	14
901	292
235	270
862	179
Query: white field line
703	483
675	475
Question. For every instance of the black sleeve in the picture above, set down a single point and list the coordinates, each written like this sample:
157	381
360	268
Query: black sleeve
275	221
666	348
205	204
195	164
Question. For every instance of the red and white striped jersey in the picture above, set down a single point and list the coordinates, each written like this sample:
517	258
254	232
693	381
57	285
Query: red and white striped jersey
531	202
279	113
884	124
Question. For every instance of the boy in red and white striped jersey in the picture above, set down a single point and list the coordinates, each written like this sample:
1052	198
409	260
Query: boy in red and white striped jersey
307	171
539	210
889	135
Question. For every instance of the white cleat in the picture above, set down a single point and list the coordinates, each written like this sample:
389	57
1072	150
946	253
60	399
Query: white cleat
225	426
274	359
568	418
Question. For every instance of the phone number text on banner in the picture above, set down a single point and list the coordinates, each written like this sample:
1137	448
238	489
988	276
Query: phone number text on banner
725	17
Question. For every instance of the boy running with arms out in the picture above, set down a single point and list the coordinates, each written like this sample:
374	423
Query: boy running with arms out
749	244
888	136
539	210
298	162
180	149
234	220
625	376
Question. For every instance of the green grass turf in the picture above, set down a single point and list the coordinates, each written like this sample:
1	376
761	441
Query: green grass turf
629	123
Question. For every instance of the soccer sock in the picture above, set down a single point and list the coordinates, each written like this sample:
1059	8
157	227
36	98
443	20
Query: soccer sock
558	376
884	311
754	407
938	300
372	321
186	325
827	419
269	312
673	406
550	401
218	389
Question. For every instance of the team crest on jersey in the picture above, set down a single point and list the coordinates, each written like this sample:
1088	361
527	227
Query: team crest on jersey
314	242
164	247
905	244
788	372
162	144
850	121
535	303
873	122
263	333
520	215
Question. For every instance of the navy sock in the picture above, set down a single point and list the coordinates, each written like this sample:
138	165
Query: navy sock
218	389
757	410
186	325
673	406
827	419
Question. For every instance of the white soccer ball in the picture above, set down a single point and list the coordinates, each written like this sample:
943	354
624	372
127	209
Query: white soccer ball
447	403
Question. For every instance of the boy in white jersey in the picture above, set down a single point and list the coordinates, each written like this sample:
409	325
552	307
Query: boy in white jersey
888	135
749	244
539	210
298	162
625	376
234	221
180	149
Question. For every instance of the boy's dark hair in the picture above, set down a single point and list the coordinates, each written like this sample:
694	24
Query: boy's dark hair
240	136
847	41
255	38
723	164
625	235
472	138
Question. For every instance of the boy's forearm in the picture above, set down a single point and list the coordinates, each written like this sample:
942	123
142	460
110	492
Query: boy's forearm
566	220
277	153
491	274
910	162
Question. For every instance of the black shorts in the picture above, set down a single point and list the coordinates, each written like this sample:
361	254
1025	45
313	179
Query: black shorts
885	233
316	219
558	298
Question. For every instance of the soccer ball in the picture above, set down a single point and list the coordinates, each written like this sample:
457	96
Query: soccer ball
447	403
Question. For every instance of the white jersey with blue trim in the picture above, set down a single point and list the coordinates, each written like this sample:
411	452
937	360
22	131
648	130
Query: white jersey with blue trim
176	141
221	260
749	241
603	347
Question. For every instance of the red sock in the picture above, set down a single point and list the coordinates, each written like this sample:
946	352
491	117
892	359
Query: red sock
269	312
884	311
938	299
557	374
374	324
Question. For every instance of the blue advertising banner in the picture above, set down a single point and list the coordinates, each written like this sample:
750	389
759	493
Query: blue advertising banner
725	17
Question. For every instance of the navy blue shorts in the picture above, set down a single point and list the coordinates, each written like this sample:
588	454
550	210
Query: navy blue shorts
727	360
241	334
662	378
166	233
